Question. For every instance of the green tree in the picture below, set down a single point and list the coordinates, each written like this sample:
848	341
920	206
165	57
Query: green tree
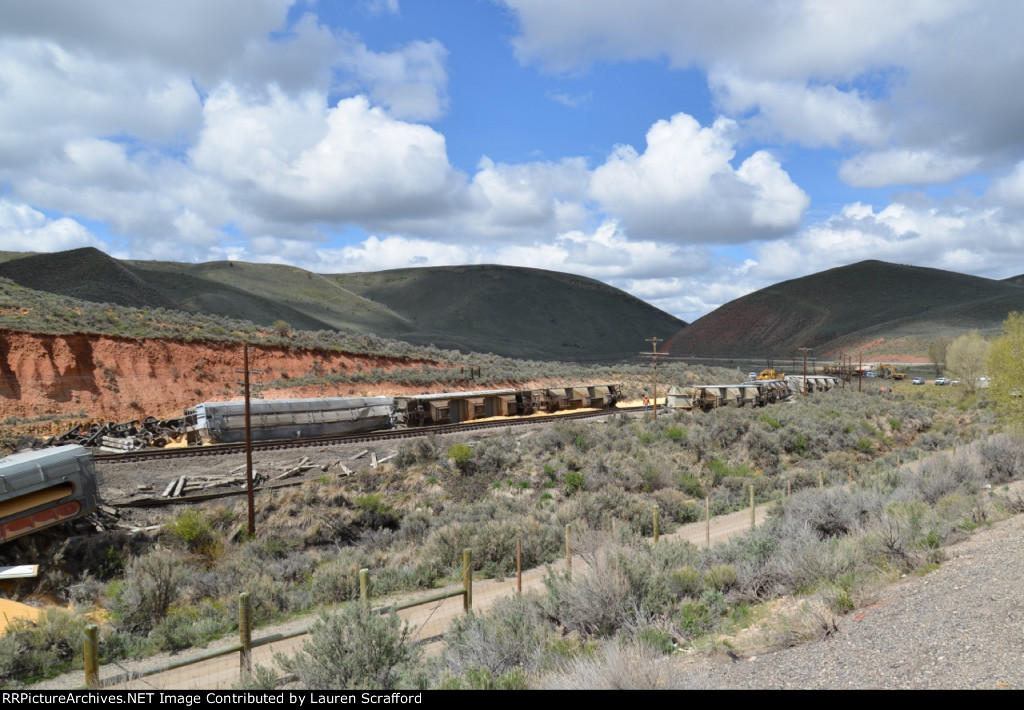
937	353
967	359
1006	367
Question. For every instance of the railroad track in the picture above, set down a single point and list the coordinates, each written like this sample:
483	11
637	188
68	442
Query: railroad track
387	435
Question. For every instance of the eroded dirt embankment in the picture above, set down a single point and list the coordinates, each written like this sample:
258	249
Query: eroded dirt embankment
117	379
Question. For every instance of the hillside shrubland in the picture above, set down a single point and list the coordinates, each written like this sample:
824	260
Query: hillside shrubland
865	488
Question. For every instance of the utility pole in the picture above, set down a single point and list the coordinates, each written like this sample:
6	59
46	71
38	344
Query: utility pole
804	350
654	362
248	441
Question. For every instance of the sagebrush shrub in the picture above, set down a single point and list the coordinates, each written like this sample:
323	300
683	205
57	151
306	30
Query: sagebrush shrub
511	635
625	666
355	648
152	584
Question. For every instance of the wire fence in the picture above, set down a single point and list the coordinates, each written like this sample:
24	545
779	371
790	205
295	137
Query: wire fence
428	617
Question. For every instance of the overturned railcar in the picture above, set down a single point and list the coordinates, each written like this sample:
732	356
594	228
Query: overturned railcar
706	397
812	383
39	489
291	418
757	393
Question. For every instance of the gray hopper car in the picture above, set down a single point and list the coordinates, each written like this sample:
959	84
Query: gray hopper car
39	489
291	418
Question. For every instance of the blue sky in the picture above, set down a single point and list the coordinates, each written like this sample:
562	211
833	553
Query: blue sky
688	153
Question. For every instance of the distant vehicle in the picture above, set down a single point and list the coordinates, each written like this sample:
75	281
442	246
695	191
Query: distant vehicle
954	382
917	381
870	373
941	381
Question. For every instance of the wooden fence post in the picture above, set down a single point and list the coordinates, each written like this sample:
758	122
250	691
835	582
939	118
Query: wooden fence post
519	566
707	521
91	653
568	549
656	515
364	586
467	579
753	508
245	635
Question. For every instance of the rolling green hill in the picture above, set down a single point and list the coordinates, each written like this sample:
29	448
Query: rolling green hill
514	311
87	274
867	307
509	311
265	293
889	308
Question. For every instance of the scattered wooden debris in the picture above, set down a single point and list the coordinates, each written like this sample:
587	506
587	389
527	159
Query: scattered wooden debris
301	467
179	486
362	453
237	477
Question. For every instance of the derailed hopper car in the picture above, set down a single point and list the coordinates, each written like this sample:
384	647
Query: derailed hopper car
459	407
292	418
39	489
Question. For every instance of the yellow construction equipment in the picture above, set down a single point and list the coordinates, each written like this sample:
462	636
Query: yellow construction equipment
771	375
890	372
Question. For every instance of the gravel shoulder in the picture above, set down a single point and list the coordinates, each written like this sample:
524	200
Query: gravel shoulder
958	627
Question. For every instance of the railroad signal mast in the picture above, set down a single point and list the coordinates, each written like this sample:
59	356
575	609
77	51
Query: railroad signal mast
654	363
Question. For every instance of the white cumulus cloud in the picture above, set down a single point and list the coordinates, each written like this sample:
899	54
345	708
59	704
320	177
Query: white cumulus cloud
683	186
925	234
23	228
808	115
300	160
904	167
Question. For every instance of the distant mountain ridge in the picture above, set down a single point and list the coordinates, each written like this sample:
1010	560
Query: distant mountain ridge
510	311
870	306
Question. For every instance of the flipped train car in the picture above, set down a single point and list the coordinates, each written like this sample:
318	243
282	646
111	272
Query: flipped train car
756	393
291	418
813	383
39	489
